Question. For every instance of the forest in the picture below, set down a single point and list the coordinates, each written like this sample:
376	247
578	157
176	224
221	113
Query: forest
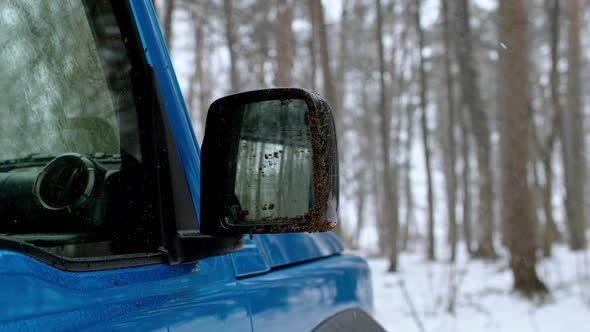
461	124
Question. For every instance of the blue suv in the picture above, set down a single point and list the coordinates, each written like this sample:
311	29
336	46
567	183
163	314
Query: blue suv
112	218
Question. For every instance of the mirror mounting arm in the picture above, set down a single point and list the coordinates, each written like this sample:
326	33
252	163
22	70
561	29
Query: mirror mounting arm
192	246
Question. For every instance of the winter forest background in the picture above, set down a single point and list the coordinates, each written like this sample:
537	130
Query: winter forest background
462	131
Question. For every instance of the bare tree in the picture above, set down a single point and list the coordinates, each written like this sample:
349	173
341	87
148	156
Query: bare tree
389	203
471	97
342	61
572	133
311	44
231	39
553	13
167	24
284	43
319	31
466	180
363	171
449	141
198	82
425	134
408	193
515	121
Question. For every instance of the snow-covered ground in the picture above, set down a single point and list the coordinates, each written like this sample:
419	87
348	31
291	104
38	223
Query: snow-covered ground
484	300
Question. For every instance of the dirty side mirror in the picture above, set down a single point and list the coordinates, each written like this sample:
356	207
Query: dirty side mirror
269	164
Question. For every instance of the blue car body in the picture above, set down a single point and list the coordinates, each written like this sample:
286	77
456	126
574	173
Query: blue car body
275	282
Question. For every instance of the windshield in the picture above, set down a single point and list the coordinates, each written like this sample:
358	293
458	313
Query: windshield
58	68
463	134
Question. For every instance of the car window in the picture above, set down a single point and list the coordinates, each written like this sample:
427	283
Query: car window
69	135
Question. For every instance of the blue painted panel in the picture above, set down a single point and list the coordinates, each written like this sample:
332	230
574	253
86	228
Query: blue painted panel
178	117
250	260
298	298
285	249
266	251
203	296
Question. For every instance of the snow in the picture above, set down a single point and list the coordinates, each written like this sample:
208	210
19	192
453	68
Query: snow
484	301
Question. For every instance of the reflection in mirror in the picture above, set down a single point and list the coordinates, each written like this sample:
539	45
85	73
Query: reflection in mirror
274	164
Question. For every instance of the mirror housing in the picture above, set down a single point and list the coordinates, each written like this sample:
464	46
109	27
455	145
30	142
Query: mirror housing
269	164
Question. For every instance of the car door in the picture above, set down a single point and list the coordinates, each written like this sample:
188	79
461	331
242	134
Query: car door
202	295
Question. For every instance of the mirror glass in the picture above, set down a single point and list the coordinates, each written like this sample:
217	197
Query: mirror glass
273	172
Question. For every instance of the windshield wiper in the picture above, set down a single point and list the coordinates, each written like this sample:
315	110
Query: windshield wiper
37	159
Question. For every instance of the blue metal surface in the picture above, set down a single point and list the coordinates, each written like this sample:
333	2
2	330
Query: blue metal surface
300	297
203	296
286	249
198	296
266	251
251	259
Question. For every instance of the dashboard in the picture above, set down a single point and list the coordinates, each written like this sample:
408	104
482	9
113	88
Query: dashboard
73	193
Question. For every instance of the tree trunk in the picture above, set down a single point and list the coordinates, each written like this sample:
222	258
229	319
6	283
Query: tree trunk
409	195
342	62
198	80
320	32
549	227
312	49
449	141
285	43
389	203
431	255
515	121
471	96
572	132
360	206
168	13
204	92
231	40
368	153
537	188
466	181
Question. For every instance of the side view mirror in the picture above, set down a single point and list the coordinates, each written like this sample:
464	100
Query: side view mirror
269	164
